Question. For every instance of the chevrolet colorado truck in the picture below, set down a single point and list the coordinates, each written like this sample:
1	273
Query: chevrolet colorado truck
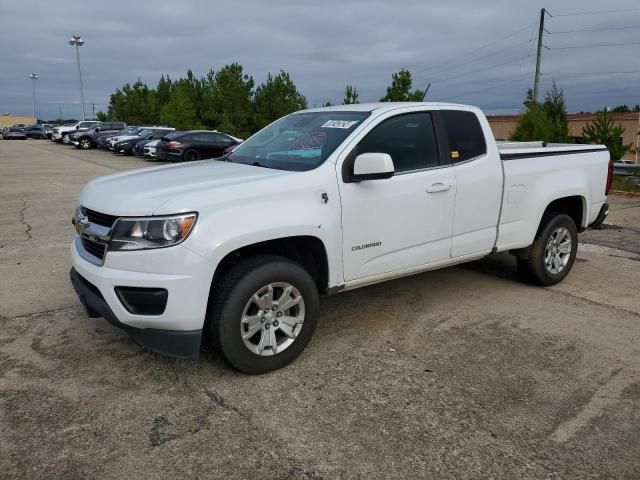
61	134
240	249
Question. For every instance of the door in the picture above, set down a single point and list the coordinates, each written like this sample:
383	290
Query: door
478	182
403	221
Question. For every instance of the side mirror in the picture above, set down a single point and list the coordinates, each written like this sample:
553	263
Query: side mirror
372	166
97	129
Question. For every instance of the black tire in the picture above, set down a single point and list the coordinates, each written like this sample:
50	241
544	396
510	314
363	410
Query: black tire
84	144
534	269
63	137
230	297
191	155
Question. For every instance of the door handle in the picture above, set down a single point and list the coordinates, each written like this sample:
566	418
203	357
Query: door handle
438	187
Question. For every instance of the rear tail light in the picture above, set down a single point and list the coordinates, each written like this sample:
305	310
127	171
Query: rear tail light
609	178
173	144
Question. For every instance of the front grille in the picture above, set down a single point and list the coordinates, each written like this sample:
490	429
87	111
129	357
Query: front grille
96	249
99	218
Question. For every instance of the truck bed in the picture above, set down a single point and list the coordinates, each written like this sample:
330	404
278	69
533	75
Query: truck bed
515	150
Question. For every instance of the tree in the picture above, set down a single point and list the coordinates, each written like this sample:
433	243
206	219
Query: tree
179	111
545	121
101	116
621	109
227	100
603	131
636	108
276	97
400	88
350	95
554	108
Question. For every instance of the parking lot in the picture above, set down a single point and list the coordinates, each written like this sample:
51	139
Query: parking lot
459	373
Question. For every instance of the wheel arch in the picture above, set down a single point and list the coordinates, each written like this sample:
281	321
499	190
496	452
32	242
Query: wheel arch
306	250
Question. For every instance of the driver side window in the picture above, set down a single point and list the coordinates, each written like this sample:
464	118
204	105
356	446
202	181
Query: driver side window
409	139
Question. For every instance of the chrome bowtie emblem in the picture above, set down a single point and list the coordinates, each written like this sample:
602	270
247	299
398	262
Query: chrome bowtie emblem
81	223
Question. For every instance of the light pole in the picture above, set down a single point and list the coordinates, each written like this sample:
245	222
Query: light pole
34	77
77	41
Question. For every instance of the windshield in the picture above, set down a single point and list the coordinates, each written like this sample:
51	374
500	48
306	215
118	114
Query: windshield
144	133
298	142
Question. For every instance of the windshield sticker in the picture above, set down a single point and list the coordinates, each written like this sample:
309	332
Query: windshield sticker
345	124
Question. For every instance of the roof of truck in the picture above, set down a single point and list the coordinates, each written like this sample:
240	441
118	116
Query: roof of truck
382	106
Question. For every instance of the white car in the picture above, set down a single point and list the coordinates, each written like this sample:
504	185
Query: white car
61	134
150	148
240	249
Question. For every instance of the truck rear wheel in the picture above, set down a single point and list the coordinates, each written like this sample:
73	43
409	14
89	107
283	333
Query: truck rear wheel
263	313
553	251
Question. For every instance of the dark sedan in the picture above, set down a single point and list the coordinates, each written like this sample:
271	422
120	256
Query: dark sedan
194	145
14	133
126	146
35	131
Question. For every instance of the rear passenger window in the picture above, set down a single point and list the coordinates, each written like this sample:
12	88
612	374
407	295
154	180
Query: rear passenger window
465	135
409	139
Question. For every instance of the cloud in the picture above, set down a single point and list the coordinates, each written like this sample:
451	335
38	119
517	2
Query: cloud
323	45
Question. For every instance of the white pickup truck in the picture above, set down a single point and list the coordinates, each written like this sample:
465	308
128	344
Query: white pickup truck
240	249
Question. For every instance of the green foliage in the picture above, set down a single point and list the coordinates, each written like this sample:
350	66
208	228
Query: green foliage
400	89
545	121
101	116
621	109
224	100
179	111
227	100
350	95
603	131
276	97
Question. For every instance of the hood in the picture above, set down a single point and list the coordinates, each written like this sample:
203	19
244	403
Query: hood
142	192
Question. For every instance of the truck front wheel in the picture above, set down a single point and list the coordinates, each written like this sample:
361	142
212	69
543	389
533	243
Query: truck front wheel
553	251
263	313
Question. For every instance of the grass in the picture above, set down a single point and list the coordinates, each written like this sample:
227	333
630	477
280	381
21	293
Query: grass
626	184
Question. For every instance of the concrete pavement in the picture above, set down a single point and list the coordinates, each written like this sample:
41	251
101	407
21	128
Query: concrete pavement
459	373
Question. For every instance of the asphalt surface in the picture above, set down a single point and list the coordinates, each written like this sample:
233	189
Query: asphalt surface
459	373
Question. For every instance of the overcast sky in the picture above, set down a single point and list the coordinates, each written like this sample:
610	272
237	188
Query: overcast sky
323	45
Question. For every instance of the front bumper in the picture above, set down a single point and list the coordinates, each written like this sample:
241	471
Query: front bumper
172	343
185	276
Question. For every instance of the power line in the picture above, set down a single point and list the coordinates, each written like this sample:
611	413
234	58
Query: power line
448	62
481	58
590	73
597	13
489	88
596	29
596	45
490	67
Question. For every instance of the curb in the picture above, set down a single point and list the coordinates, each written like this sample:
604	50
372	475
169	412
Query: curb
624	193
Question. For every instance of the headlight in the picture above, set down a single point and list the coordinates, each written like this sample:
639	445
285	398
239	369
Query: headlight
151	232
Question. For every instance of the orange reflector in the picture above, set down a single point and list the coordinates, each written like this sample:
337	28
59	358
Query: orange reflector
186	225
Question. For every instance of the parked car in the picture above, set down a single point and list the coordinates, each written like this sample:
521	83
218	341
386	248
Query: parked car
85	138
322	201
103	139
135	132
14	133
195	145
61	134
126	146
48	129
35	131
138	148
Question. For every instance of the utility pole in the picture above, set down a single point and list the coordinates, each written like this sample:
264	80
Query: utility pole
60	114
34	77
541	31
93	109
638	138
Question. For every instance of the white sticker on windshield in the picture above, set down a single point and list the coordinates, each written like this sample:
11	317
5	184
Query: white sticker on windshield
339	123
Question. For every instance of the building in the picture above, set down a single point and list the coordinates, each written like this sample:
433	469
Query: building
504	125
8	120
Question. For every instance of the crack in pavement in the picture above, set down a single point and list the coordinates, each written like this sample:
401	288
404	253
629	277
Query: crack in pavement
23	220
593	302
